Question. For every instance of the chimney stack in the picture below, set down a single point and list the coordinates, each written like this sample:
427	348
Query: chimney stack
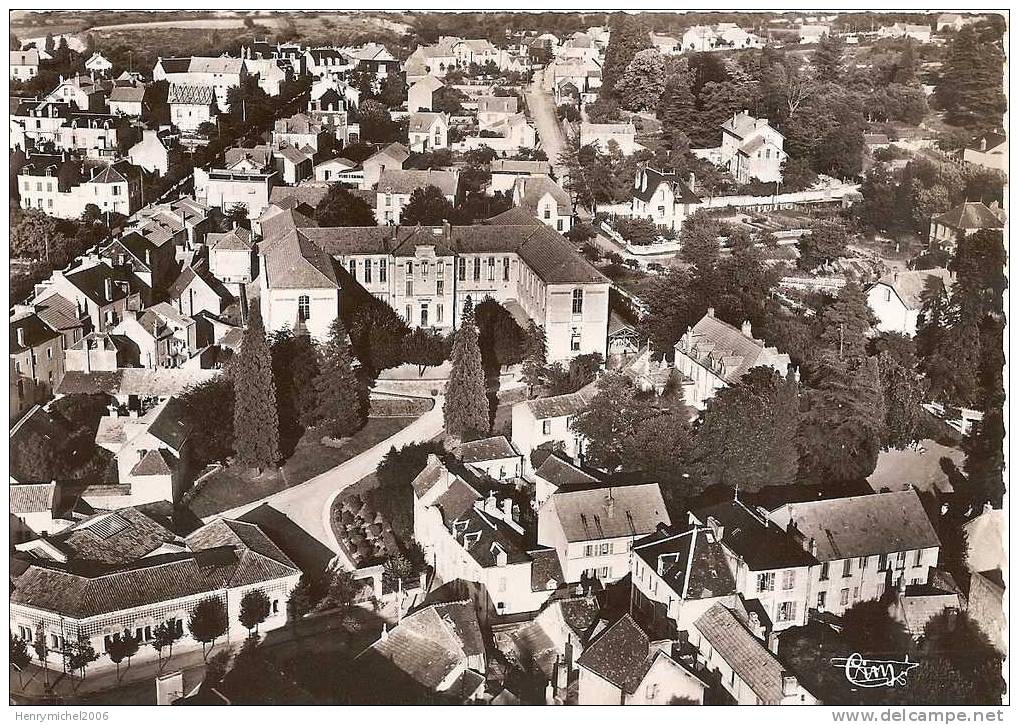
108	284
507	509
746	329
21	336
711	312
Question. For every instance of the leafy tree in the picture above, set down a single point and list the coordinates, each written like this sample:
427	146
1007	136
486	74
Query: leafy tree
340	208
376	335
642	83
669	299
448	99
628	36
255	607
429	207
906	422
500	338
424	348
797	174
343	588
396	571
119	647
209	416
581	232
747	437
256	419
466	405
20	657
985	458
581	371
341	398
677	104
825	242
577	182
393	90
208	622
79	654
36	236
827	58
395	472
377	125
868	629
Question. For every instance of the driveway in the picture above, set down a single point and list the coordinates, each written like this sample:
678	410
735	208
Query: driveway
307	504
543	113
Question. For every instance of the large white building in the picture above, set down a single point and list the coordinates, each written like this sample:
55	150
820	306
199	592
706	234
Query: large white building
222	74
713	354
427	274
125	572
663	198
751	149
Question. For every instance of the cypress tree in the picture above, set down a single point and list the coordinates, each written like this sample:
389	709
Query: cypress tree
466	405
256	419
340	396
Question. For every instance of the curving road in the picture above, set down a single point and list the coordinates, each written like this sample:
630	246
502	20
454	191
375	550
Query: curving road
307	504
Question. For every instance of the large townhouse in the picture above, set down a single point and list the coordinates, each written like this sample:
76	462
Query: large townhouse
751	149
130	570
604	135
897	298
546	200
228	187
714	354
221	74
36	122
864	545
97	289
476	539
965	219
593	530
772	572
989	150
390	157
300	131
96	135
64	188
81	92
24	64
36	361
191	105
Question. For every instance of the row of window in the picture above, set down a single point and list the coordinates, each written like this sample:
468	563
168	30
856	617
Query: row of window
598	549
424	321
766	580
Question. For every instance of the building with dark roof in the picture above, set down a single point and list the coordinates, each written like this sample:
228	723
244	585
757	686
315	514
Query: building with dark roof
678	573
714	354
663	198
547	202
427	274
471	536
36	362
967	218
494	457
897	298
989	150
125	571
772	571
545	422
622	666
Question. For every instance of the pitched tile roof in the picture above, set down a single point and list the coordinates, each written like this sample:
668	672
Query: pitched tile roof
406	181
127	94
756	539
910	286
238	239
58	312
497	104
155	463
30	498
609	512
545	568
223	65
114	538
558	406
743	652
422	121
726	350
564	474
971	215
702	574
531	190
621	654
191	94
32	330
486	449
878	523
514	166
295	262
157	382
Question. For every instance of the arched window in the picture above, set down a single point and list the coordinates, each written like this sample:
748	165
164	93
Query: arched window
303	308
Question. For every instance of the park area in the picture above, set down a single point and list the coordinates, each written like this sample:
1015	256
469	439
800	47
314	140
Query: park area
232	486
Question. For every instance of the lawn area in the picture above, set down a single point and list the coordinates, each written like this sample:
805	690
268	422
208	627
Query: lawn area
235	485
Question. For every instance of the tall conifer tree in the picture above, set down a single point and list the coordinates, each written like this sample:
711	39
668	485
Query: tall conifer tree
466	406
256	418
341	397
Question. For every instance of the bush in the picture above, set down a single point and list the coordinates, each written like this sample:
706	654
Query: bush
638	230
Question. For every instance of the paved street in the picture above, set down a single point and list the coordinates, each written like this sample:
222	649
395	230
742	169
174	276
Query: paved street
307	504
543	113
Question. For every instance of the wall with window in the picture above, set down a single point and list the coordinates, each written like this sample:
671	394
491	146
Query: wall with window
783	593
314	308
839	584
576	320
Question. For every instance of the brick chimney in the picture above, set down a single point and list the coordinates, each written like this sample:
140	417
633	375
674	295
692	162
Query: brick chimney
746	329
711	312
108	288
21	336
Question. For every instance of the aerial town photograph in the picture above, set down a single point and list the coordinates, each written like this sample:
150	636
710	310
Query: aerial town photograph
490	357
